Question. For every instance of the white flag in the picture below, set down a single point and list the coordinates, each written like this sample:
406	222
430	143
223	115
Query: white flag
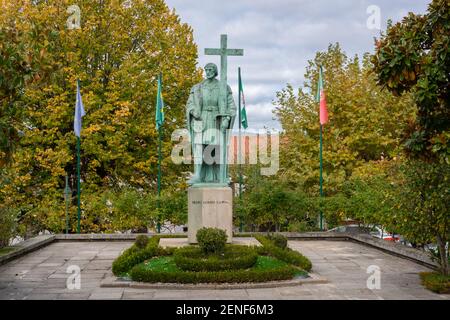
79	113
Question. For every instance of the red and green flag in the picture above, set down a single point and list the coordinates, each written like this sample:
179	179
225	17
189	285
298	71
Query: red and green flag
320	97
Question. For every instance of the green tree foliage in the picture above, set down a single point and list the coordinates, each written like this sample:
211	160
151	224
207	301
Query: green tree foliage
365	123
271	205
410	198
8	225
414	56
423	205
172	206
117	54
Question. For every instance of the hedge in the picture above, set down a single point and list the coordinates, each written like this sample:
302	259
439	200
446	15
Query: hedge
287	255
134	255
131	262
140	273
234	258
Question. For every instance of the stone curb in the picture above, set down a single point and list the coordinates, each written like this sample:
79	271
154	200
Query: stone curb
396	249
113	282
27	246
100	236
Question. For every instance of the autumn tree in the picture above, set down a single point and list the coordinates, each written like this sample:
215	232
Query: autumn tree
117	53
365	123
414	56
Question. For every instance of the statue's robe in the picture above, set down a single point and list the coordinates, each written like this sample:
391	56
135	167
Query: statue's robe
204	99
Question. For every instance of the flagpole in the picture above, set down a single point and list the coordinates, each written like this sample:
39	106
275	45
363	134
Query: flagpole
158	225
79	113
321	181
239	143
78	186
66	198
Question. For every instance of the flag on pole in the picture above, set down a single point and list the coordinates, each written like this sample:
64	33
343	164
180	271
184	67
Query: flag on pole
242	110
159	117
320	97
79	112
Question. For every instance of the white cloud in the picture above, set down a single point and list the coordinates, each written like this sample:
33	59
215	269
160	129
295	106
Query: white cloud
280	36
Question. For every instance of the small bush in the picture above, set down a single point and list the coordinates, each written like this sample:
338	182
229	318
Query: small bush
435	282
279	240
141	241
211	240
233	258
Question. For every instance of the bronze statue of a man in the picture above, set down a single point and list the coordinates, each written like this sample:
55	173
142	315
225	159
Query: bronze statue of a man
210	115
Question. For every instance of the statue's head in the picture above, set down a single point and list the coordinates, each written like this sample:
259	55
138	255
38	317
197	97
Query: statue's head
211	70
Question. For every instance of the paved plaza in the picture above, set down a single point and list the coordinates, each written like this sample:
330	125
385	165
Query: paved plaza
42	275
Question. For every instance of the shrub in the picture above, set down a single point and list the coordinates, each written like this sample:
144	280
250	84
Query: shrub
435	282
173	207
134	255
287	255
279	240
234	258
7	225
211	240
131	209
141	241
141	273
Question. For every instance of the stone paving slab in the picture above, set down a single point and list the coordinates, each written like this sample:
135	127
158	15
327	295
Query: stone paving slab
27	246
343	263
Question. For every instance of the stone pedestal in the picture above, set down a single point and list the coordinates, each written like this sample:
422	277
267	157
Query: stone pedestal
210	207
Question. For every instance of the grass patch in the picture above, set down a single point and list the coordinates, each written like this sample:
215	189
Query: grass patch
435	282
232	258
161	264
267	263
6	250
167	264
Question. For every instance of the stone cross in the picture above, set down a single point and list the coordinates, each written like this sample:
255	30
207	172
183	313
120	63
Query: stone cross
223	52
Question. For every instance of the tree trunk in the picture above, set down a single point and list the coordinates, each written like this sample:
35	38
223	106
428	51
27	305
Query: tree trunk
443	255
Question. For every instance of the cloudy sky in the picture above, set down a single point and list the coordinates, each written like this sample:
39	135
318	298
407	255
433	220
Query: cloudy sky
280	36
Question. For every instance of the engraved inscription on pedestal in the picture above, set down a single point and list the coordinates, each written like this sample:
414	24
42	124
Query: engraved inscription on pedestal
210	207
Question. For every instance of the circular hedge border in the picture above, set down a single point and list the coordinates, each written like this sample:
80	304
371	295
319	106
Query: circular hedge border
234	258
129	264
140	273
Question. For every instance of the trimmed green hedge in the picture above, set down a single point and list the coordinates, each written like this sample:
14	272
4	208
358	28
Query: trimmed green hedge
278	240
234	258
287	255
134	255
236	266
140	273
141	241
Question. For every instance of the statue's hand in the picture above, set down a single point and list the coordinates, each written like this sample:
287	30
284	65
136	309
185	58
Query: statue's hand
225	123
196	114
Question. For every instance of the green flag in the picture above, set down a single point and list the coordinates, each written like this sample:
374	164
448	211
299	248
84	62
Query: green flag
242	110
159	117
